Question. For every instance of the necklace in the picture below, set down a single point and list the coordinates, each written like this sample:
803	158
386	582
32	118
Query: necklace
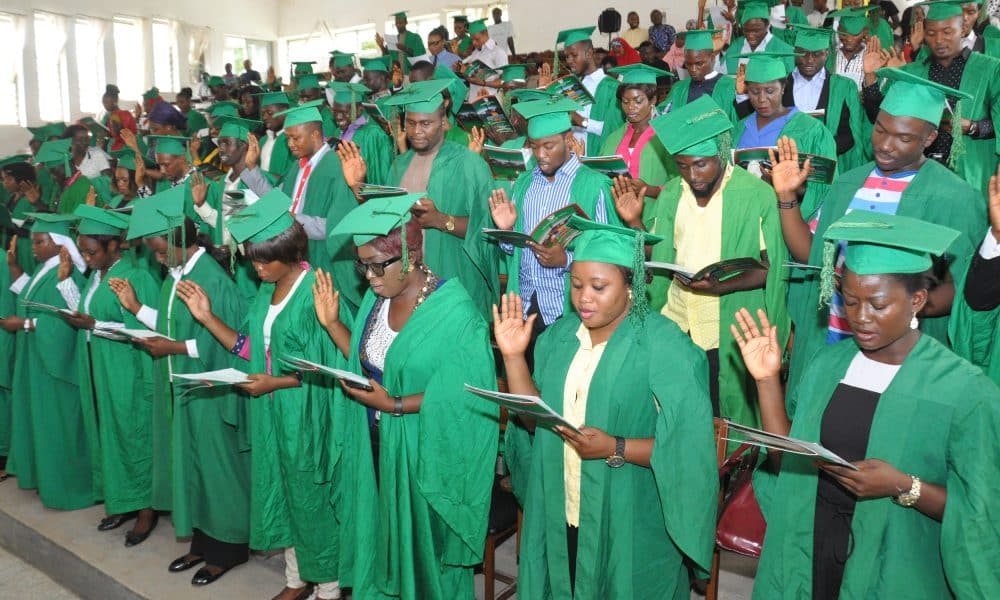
430	284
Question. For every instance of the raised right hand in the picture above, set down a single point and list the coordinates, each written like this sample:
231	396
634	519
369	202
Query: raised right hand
511	329
477	139
65	264
874	58
503	211
759	346
353	165
253	151
326	299
786	175
545	76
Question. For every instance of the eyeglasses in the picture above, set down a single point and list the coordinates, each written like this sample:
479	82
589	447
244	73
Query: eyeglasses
377	269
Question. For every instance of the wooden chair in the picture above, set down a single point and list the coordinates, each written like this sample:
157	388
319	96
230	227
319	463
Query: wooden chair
721	433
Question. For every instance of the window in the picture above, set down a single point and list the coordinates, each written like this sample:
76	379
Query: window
11	51
130	58
50	52
165	72
89	49
314	47
234	52
259	53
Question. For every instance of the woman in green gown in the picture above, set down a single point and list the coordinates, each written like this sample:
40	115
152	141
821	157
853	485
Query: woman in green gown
422	508
201	458
24	196
291	489
116	382
917	513
615	508
48	443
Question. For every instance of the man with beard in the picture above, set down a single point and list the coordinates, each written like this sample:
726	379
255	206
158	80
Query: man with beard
275	157
592	123
374	144
174	159
538	273
712	197
376	79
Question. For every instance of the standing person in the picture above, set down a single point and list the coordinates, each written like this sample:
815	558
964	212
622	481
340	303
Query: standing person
116	382
439	52
25	195
595	367
757	37
48	446
821	10
376	78
172	157
700	62
89	160
342	67
660	33
55	157
230	78
374	143
915	420
852	35
502	31
408	44
274	155
292	488
487	51
201	458
195	120
461	44
249	76
423	506
8	339
634	35
116	119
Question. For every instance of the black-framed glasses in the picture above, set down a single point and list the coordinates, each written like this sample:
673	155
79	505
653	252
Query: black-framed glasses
377	269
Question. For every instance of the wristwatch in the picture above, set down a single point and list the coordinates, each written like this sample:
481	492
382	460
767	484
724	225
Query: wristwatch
909	498
617	459
449	223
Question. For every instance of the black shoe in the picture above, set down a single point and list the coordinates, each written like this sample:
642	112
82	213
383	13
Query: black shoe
115	521
134	539
205	577
183	564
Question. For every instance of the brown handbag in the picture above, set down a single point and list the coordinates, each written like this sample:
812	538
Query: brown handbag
741	525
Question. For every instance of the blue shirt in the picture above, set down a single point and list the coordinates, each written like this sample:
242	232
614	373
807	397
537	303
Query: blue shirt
444	58
762	138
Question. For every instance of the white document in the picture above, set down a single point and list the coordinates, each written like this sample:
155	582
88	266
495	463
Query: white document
47	307
141	334
224	376
759	437
349	378
530	406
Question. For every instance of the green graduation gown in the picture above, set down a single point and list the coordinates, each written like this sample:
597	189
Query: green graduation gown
73	195
459	184
656	165
328	196
936	195
455	133
427	529
724	94
48	443
975	334
116	393
281	157
201	458
607	109
844	92
8	307
938	420
637	524
25	257
50	190
732	55
377	150
747	202
195	123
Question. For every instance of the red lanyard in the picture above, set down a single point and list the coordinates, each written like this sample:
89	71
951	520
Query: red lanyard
306	170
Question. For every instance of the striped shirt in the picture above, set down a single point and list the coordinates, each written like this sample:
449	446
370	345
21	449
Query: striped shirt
543	198
881	194
854	68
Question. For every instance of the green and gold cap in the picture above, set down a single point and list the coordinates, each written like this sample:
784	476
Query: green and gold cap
813	39
342	59
853	20
237	127
216	81
55	152
266	218
699	39
376	64
224	108
347	93
272	98
157	215
420	97
755	10
302	67
15	159
942	10
913	96
172	145
456	87
568	37
151	94
693	129
303	113
477	26
51	223
509	73
376	218
97	221
307	82
639	74
763	67
547	117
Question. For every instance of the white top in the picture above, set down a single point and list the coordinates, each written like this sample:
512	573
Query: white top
94	163
381	338
869	374
267	149
500	32
147	315
807	91
990	248
492	55
275	309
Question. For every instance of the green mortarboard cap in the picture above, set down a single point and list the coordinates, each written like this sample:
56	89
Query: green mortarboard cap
755	10
341	59
375	64
347	93
126	158
308	82
302	67
157	214
878	243
600	242
272	98
55	152
376	218
510	73
49	130
568	37
172	145
460	18
692	129
303	113
639	74
456	87
151	93
216	81
853	20
262	220
97	221
699	39
812	39
766	66
547	117
528	94
224	108
237	127
51	223
420	97
400	15
17	158
913	96
942	10
94	126
477	26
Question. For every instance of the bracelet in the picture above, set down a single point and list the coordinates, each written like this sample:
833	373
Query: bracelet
910	497
787	205
397	406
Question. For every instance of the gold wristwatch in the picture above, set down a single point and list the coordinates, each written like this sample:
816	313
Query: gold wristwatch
449	223
909	498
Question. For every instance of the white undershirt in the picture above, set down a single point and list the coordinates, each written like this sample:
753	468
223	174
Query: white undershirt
381	338
869	374
275	309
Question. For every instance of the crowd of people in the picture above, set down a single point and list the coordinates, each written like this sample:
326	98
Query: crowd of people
263	318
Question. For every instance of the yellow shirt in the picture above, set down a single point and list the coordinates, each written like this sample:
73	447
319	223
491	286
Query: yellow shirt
575	391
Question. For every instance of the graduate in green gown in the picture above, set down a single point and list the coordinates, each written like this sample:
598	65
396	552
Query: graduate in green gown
174	158
24	196
275	147
8	306
311	91
918	423
755	24
131	182
116	381
290	505
195	120
457	92
699	61
56	158
48	443
375	144
617	507
201	451
422	508
906	125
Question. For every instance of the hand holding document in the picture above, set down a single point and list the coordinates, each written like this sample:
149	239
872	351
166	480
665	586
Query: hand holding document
532	407
38	306
220	376
350	379
759	437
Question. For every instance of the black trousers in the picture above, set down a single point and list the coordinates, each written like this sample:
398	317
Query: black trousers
572	543
218	553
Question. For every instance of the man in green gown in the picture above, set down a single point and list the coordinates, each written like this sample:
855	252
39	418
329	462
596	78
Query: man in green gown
8	306
757	37
375	145
274	155
699	61
310	92
408	43
342	67
457	92
594	122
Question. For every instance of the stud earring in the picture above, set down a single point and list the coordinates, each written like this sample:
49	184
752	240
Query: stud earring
914	323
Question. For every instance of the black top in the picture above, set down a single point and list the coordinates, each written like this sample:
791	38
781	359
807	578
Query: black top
982	285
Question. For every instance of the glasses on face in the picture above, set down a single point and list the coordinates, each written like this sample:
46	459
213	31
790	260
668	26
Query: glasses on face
376	269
